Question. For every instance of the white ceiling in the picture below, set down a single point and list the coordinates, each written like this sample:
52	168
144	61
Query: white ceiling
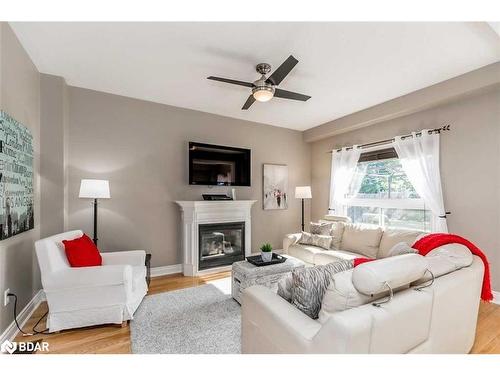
345	67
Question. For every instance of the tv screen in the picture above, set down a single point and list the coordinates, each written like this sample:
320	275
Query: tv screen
218	165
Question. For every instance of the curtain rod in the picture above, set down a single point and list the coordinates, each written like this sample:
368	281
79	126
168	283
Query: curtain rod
390	140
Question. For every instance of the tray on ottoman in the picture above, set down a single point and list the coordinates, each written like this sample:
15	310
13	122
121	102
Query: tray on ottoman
256	260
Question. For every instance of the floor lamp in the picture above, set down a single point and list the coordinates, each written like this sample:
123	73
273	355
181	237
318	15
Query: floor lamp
303	192
95	189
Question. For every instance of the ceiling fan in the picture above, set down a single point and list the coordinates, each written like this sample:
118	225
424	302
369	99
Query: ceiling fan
264	88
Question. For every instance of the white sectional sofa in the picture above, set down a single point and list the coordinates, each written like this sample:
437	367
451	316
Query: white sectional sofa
350	241
440	318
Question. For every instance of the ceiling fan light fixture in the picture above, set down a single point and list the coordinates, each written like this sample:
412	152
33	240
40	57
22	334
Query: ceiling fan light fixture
263	93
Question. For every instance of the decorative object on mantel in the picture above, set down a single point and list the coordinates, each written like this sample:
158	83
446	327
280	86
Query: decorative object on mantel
95	189
266	252
16	177
216	197
303	192
275	187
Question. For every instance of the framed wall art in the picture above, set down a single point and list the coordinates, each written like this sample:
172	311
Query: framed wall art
275	187
16	177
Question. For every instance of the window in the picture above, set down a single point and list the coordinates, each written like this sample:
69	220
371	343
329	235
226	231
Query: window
381	194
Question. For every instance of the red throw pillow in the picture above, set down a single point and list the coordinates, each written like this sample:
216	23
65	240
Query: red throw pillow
82	252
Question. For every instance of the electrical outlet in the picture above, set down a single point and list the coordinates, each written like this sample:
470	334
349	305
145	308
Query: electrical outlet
6	298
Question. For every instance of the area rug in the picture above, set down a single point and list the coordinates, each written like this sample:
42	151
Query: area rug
199	320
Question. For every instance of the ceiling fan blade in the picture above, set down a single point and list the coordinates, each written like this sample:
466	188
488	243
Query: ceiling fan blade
290	95
249	102
232	81
282	71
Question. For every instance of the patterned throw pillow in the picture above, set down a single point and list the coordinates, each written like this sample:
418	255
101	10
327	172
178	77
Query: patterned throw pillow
316	240
321	228
309	285
336	232
285	286
401	248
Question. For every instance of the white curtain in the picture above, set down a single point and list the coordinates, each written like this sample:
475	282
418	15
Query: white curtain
343	170
419	157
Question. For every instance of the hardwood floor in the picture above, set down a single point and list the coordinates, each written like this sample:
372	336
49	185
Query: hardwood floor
116	340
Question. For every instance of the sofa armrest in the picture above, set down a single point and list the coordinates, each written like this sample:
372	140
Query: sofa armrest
289	240
133	258
271	324
88	277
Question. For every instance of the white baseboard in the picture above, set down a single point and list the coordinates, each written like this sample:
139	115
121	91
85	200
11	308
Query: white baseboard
22	317
166	270
496	297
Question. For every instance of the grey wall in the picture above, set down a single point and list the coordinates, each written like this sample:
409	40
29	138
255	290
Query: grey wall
141	147
20	97
53	118
470	171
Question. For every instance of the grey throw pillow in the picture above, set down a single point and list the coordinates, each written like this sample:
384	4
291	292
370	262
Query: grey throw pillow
285	286
316	240
309	285
401	248
321	228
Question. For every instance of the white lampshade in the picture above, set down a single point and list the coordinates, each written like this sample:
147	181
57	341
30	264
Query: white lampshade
303	192
94	189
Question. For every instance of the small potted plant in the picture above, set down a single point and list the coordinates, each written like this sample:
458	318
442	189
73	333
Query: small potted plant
266	252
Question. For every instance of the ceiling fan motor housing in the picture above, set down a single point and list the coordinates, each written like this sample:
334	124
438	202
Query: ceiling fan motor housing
261	84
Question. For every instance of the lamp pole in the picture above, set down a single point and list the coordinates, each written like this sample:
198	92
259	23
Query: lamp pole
95	222
94	189
302	214
303	192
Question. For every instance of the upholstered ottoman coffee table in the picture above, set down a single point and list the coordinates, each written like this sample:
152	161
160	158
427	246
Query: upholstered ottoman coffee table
245	274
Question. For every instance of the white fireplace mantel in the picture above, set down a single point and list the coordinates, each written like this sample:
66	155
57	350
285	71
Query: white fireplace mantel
210	212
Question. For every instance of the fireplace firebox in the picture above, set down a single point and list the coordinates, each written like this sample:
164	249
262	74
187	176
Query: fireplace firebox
220	244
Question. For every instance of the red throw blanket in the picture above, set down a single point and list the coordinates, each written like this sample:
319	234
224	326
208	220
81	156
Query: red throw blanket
430	242
434	240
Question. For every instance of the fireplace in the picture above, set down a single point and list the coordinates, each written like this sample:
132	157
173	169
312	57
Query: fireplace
220	244
200	217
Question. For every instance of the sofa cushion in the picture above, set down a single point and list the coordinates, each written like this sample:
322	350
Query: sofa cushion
361	239
309	285
316	240
371	278
322	228
330	256
304	252
391	237
336	232
446	259
401	248
342	295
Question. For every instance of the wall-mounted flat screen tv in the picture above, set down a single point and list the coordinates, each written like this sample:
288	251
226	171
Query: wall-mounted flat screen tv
218	165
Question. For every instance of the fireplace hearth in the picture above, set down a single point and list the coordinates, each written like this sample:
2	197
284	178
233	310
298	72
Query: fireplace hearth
220	244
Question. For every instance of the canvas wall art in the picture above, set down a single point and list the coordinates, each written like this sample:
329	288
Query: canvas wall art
275	187
16	177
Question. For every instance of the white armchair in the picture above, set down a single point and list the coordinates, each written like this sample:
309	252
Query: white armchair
87	296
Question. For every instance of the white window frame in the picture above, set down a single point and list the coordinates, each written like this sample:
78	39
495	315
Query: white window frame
404	204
